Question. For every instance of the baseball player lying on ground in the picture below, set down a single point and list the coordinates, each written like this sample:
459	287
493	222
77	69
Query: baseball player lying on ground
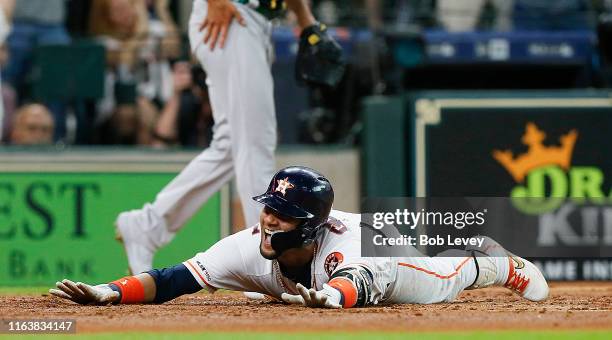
302	252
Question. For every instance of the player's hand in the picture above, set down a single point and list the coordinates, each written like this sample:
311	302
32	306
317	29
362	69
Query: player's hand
327	297
218	20
182	78
85	294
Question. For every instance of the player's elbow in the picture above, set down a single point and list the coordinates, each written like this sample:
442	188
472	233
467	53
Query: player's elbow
173	282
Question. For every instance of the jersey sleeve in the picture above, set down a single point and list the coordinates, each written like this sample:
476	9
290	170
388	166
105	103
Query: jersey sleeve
222	265
361	280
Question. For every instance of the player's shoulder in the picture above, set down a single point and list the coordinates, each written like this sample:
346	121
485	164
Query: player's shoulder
340	231
245	244
245	236
339	241
344	220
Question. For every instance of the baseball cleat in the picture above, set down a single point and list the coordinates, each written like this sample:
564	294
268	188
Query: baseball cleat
138	248
497	266
526	279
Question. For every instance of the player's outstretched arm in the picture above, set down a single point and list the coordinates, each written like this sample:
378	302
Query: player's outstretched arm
155	286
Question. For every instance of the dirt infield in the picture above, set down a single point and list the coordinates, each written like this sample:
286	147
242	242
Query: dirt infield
583	305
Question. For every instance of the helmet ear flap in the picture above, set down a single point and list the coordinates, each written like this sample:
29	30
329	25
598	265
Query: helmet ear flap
310	230
304	234
283	241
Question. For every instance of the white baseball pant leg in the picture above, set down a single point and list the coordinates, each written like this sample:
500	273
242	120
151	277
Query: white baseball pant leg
432	279
240	88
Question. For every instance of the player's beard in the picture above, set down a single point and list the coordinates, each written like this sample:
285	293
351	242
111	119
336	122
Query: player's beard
268	256
265	247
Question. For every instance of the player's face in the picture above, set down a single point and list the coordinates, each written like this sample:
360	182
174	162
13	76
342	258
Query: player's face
271	222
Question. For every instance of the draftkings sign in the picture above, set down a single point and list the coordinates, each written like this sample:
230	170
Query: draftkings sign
549	154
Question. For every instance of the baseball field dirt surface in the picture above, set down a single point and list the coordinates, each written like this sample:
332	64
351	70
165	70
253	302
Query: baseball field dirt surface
583	309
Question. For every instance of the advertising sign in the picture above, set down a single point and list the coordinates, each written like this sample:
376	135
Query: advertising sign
56	225
547	153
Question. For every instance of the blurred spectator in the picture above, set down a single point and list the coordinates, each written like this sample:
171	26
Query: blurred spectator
33	125
604	40
6	15
465	15
327	12
459	16
148	114
602	6
374	10
141	38
121	128
344	13
452	15
130	122
186	118
553	15
115	23
119	26
399	15
7	7
35	23
162	44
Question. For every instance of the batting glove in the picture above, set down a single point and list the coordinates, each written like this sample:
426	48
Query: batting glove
327	297
85	294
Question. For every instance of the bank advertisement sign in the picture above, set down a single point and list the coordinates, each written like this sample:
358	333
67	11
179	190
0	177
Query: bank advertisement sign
60	225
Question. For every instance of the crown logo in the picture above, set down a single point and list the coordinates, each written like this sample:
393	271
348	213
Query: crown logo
537	154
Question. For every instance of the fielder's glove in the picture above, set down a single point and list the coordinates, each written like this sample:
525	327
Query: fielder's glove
85	294
327	297
319	59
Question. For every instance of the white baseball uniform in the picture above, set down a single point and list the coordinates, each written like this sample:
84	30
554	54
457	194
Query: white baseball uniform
244	140
235	263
